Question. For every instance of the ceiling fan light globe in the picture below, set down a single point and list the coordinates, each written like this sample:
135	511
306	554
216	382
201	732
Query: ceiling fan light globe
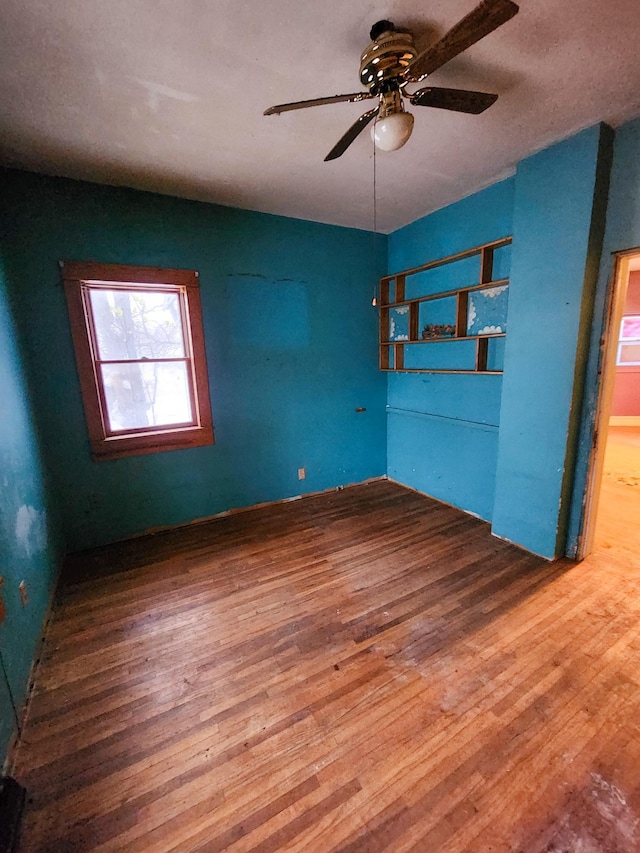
392	131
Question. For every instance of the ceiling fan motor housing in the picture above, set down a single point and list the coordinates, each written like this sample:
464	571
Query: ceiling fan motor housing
385	59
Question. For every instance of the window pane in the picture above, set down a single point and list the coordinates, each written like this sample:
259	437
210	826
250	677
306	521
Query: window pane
137	324
630	327
141	395
629	354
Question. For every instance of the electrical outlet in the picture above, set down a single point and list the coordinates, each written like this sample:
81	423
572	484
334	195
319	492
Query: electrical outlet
302	473
22	589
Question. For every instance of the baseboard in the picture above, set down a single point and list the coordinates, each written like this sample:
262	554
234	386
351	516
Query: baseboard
625	420
152	531
240	509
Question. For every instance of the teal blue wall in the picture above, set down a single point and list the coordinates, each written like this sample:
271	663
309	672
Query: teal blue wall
622	232
291	348
558	225
504	448
29	542
442	434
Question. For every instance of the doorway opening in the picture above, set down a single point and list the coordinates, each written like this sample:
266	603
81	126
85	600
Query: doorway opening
612	519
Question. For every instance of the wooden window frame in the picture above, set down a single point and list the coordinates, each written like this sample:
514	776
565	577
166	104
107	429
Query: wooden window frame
79	278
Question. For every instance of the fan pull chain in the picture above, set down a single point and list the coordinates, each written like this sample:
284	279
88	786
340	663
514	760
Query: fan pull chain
374	301
375	201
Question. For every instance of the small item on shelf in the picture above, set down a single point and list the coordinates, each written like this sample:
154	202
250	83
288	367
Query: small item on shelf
438	330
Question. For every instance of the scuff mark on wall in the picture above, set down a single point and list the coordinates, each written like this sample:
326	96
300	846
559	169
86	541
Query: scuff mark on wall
31	530
266	278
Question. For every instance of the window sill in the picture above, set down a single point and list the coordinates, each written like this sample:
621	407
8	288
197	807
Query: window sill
159	442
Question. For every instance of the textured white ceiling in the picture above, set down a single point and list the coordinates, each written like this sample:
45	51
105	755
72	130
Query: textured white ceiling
168	96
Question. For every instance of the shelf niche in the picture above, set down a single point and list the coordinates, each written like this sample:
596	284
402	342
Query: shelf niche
465	326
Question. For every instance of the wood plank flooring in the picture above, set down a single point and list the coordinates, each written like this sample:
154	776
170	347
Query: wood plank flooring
618	521
366	670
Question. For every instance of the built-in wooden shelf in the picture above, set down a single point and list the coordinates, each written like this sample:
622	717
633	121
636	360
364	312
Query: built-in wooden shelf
443	340
392	351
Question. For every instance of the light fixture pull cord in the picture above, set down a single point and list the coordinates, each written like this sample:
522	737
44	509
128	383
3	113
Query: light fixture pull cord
374	301
375	202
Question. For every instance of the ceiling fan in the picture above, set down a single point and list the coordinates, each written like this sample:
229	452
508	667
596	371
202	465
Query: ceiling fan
391	61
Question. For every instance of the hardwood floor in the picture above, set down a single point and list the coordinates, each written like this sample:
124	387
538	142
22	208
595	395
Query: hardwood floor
366	670
618	522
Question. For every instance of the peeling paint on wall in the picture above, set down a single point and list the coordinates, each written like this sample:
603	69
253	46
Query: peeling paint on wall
31	530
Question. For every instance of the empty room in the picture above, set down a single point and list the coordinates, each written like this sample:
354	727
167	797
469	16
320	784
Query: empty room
318	506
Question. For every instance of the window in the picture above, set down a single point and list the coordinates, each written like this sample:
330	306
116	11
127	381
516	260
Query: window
629	341
139	343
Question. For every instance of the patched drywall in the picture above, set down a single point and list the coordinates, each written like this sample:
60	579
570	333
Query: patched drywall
31	530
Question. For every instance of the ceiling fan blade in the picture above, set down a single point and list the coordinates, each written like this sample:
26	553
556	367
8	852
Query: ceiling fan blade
316	102
356	128
459	100
486	17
